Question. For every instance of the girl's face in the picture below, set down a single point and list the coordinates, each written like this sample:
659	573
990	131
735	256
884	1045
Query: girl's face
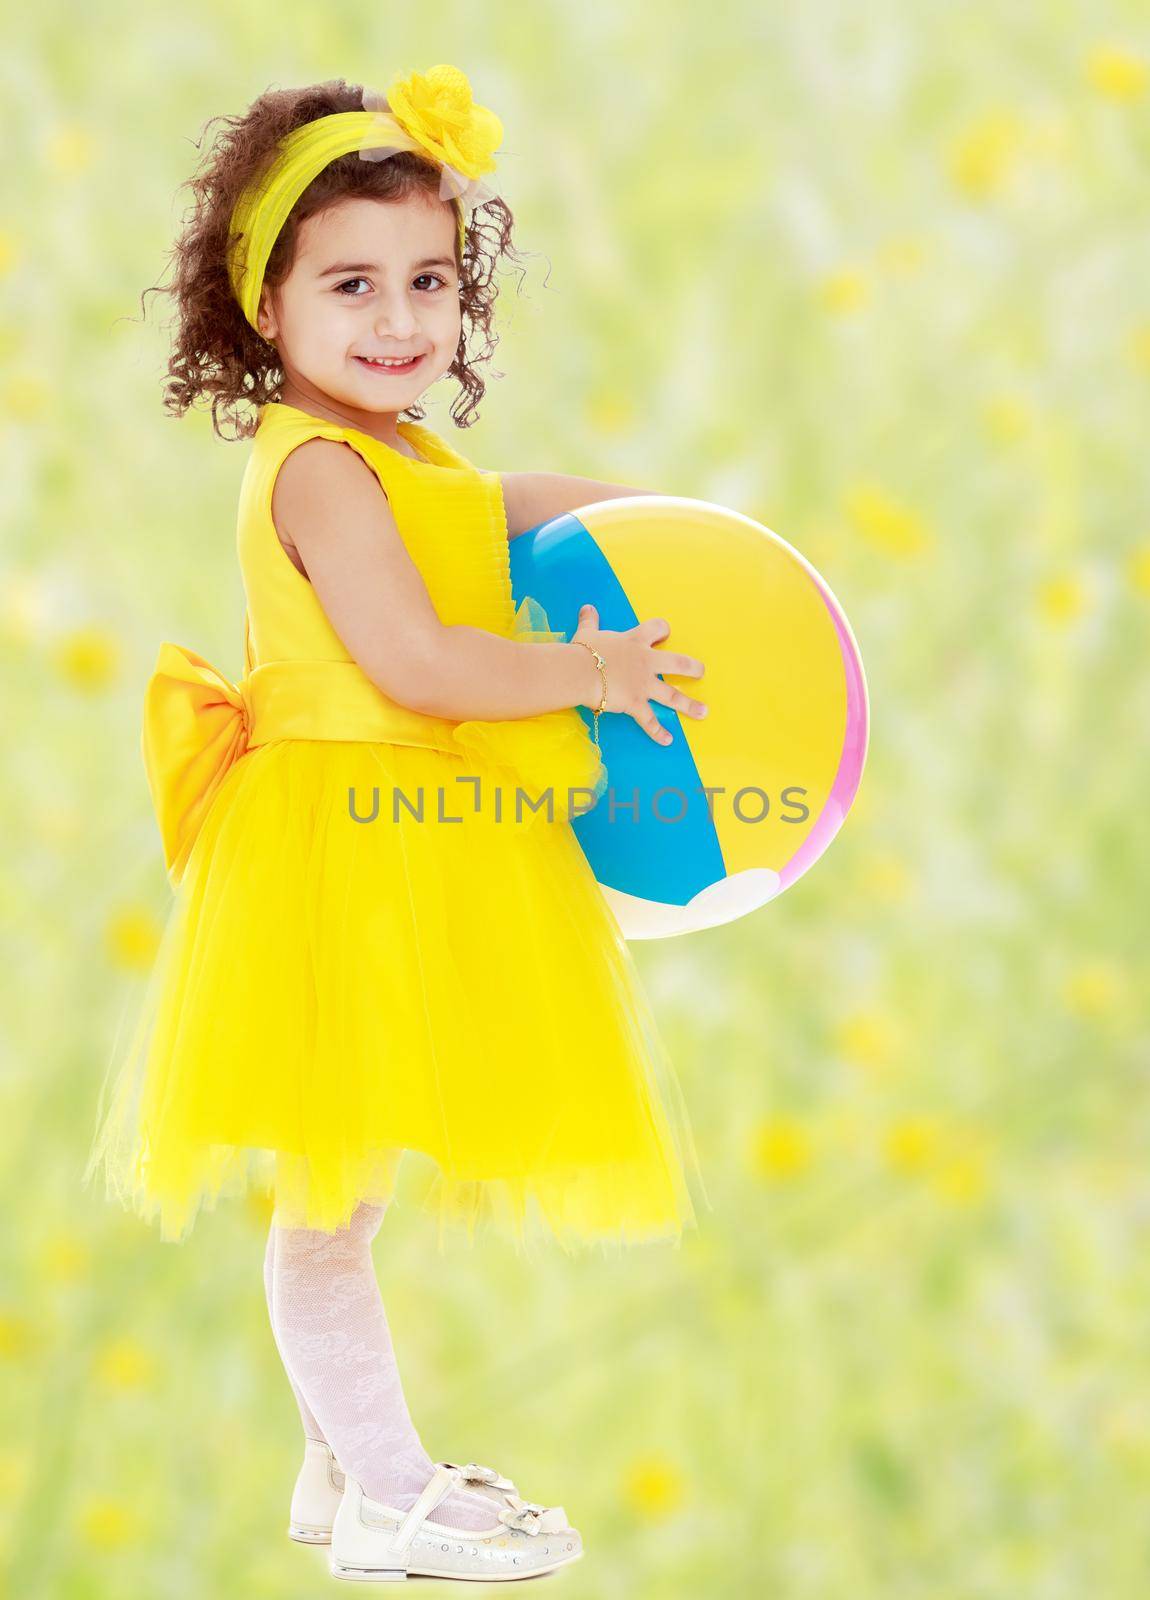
371	278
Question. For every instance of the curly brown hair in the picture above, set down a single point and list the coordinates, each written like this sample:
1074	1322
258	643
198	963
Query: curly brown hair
216	353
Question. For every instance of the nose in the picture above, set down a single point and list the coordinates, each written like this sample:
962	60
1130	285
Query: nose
396	317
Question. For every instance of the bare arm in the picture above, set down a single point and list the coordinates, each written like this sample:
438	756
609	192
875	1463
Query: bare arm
329	506
534	497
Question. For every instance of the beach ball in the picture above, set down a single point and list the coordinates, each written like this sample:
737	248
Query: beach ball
745	800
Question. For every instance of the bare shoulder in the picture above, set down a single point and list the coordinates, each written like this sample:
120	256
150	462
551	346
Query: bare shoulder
319	481
317	466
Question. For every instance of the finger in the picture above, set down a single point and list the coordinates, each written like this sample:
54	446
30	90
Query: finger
650	723
654	628
677	666
668	695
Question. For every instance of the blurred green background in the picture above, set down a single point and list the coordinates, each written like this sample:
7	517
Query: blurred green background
878	277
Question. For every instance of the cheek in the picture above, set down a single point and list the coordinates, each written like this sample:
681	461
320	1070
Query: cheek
449	323
309	324
330	327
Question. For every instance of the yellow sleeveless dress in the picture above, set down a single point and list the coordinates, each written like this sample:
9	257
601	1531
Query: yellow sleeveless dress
385	935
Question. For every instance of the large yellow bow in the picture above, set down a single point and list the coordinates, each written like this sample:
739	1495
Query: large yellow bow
196	724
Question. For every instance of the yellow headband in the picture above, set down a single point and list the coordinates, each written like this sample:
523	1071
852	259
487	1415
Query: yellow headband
431	113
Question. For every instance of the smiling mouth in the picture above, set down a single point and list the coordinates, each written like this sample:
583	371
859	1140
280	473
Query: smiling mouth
395	367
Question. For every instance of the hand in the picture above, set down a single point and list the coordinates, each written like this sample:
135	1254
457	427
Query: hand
633	668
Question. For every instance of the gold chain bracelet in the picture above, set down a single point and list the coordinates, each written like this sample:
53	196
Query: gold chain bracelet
602	665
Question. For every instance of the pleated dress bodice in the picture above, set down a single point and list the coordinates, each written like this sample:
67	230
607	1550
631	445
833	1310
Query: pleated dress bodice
450	515
300	680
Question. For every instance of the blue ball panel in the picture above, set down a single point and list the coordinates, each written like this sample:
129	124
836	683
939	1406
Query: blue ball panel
561	566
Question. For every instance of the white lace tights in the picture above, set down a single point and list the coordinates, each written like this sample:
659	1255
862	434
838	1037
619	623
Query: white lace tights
333	1338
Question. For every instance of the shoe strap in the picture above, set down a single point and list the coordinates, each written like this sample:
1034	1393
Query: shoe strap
437	1488
472	1472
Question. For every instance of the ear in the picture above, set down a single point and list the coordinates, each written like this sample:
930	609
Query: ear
265	317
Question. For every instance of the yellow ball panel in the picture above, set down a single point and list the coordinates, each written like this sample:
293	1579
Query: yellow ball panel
746	604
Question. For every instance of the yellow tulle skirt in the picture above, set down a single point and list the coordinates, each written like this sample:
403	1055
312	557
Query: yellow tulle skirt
330	993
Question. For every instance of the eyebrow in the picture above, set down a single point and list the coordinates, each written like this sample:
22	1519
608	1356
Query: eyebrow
373	266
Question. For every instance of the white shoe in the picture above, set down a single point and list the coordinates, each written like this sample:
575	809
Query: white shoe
319	1490
317	1494
374	1543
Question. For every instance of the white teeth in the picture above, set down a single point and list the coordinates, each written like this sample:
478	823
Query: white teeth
389	361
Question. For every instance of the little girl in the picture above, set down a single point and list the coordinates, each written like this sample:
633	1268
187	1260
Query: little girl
385	935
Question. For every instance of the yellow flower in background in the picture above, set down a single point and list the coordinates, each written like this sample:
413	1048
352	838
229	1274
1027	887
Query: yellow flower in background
14	1472
963	1177
17	1336
132	937
106	1523
843	291
1116	73
610	412
780	1148
70	149
1062	598
1138	346
1023	1559
87	658
1124	1431
7	250
1093	989
884	878
911	1143
438	111
867	1039
979	159
24	395
654	1486
1007	418
884	522
124	1364
62	1259
900	256
1138	569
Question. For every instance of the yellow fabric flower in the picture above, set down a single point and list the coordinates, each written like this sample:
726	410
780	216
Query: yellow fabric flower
438	111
